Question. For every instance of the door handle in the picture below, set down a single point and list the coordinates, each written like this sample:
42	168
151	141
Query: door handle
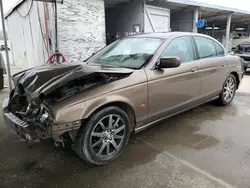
223	65
194	69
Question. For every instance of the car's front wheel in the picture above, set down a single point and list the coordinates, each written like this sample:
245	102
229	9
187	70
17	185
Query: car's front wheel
228	90
102	139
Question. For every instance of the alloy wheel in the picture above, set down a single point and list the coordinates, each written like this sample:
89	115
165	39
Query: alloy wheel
107	135
229	89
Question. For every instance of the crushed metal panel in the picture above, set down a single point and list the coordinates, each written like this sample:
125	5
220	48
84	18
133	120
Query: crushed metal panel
81	28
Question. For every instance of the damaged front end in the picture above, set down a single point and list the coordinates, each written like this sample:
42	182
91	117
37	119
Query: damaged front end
31	120
29	106
31	124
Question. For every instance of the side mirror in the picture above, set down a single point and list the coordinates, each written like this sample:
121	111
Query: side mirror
168	62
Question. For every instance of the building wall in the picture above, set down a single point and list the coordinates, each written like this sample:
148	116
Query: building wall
26	35
156	19
81	27
122	17
179	21
182	21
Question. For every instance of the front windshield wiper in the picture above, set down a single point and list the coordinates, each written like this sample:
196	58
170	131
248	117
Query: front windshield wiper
137	56
109	66
103	65
110	58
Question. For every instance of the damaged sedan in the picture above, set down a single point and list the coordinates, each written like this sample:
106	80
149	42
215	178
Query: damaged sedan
124	88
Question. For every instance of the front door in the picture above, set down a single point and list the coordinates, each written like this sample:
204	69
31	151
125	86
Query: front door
174	89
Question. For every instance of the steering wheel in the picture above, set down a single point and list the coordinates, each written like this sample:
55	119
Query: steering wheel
56	56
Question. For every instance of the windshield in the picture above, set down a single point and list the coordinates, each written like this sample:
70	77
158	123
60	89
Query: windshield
243	34
243	48
129	52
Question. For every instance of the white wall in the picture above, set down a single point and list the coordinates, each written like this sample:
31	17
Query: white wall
156	19
179	20
26	36
81	28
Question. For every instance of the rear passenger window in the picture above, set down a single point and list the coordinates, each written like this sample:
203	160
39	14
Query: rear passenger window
219	49
206	47
180	47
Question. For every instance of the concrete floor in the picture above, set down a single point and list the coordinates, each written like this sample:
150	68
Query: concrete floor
206	147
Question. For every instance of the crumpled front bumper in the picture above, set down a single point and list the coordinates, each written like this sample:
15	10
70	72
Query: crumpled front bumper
22	128
31	133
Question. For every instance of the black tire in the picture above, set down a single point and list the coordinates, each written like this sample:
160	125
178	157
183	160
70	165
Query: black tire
83	144
222	101
245	69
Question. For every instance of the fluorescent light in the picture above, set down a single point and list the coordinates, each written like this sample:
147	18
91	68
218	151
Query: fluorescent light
239	29
212	28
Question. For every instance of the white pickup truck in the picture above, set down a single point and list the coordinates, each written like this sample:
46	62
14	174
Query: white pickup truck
243	50
239	38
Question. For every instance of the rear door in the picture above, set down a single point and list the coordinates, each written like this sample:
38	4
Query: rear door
212	66
174	89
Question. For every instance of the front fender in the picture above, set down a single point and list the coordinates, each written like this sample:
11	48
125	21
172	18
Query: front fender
94	104
83	110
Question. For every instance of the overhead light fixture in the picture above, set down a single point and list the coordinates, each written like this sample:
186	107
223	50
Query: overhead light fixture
212	28
239	29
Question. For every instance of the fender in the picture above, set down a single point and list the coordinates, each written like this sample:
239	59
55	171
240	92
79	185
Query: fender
94	104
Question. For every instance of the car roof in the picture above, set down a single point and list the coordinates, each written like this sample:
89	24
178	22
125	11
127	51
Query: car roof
166	35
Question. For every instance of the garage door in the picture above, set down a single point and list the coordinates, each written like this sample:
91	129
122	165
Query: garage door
156	19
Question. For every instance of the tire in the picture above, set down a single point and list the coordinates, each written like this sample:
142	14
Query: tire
99	144
245	69
227	95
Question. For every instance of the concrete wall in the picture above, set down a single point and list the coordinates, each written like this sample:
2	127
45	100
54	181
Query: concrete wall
81	27
122	17
182	21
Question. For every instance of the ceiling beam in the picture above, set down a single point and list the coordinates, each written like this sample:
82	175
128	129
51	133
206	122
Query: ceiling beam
219	14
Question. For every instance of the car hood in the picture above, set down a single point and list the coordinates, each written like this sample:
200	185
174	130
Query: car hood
47	78
243	54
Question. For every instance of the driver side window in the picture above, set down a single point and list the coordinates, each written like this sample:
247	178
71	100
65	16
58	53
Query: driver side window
180	47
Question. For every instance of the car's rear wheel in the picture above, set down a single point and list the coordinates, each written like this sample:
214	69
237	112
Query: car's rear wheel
104	136
228	90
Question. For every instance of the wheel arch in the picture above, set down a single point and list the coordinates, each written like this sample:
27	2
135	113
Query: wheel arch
236	77
122	103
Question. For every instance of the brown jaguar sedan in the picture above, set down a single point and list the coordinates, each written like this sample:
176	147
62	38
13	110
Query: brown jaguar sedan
129	85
